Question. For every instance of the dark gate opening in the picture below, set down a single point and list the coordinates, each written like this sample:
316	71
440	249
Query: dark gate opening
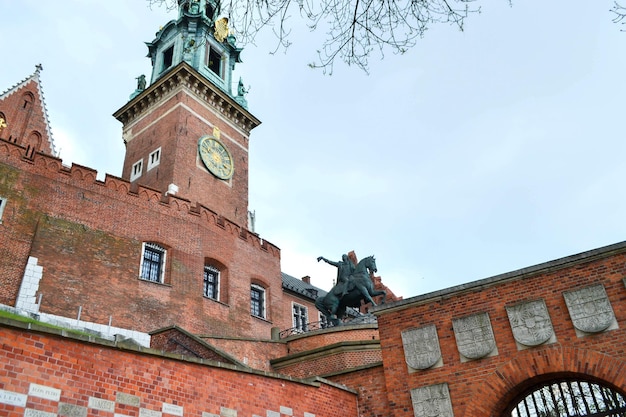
569	398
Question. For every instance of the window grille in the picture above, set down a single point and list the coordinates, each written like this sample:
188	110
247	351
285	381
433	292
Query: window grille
152	262
257	301
211	282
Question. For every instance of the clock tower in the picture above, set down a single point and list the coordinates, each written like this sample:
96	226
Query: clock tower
187	132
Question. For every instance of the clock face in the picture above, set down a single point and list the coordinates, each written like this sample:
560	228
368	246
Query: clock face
216	157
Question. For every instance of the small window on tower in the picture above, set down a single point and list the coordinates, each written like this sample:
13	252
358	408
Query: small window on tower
154	158
214	60
136	170
168	58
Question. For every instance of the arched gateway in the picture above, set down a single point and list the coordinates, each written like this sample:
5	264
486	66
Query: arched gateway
566	397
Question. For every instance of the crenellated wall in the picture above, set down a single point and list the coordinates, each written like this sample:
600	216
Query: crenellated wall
87	235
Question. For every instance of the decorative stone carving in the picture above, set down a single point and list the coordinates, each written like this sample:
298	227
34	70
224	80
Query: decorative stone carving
530	322
589	308
432	401
474	335
421	347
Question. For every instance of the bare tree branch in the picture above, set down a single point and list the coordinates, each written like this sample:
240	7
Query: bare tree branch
355	29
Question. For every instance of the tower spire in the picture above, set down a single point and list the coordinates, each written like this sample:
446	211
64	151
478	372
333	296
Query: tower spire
201	39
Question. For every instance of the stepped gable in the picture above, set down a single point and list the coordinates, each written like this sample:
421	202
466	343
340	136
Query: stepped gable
85	178
25	117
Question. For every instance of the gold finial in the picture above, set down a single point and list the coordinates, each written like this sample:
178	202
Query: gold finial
216	132
221	29
3	123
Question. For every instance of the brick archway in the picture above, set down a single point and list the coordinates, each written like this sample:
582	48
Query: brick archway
530	367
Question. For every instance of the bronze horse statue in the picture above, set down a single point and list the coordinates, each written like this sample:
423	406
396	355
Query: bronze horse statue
360	287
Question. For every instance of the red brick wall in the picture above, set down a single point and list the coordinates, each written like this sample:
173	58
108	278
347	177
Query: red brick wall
253	353
87	235
329	360
484	387
81	370
331	336
175	122
370	384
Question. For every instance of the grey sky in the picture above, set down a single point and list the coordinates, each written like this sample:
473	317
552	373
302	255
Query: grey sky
474	154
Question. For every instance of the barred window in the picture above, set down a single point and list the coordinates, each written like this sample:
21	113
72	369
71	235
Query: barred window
257	301
211	282
152	263
300	317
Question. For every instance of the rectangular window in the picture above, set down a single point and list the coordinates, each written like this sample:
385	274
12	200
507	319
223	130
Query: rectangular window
168	58
214	61
300	317
154	159
211	282
152	262
257	301
136	170
3	203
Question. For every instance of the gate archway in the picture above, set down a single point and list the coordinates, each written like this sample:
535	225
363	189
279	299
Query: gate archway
569	398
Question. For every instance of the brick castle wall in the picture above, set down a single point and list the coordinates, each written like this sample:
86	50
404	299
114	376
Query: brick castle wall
87	236
44	373
486	386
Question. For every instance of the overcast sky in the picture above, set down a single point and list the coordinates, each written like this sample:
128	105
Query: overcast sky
474	154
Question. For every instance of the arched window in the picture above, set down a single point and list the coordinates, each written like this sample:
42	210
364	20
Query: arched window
569	398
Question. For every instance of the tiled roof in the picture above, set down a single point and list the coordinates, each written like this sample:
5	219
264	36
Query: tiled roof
298	286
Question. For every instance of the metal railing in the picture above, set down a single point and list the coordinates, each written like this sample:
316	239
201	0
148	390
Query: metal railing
318	325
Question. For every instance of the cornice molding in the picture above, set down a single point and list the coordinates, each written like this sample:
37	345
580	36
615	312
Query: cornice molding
184	76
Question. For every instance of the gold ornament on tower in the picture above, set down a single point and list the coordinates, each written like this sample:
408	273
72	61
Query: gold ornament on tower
221	29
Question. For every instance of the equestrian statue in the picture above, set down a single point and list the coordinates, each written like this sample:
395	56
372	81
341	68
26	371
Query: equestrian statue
354	283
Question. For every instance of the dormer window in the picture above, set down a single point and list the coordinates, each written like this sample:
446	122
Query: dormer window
214	61
168	58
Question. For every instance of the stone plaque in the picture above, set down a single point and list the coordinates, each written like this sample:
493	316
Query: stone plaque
29	412
175	410
13	398
421	347
589	308
42	391
228	412
432	401
72	410
145	412
530	322
474	335
286	411
101	404
127	399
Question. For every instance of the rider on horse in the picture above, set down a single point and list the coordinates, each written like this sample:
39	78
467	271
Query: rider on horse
345	268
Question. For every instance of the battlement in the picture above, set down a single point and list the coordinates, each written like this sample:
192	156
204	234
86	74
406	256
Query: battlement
83	177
